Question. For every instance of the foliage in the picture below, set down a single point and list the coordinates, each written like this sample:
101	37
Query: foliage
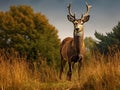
89	43
29	33
110	41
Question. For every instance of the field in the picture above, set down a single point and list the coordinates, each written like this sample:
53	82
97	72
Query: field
97	73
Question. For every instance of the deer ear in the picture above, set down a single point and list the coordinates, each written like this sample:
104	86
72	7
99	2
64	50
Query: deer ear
86	18
71	19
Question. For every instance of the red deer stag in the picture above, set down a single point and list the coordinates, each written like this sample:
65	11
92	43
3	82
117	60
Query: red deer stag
73	49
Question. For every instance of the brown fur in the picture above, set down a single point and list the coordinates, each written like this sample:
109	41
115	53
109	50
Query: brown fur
72	50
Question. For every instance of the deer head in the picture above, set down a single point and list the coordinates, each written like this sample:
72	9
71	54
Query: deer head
78	23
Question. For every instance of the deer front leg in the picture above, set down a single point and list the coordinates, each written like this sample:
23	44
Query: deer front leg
73	63
69	74
79	65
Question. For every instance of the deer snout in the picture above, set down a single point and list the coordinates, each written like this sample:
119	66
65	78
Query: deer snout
77	29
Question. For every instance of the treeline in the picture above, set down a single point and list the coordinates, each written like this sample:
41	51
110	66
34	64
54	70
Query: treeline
29	33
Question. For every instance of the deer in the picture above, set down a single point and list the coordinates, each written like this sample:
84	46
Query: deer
72	49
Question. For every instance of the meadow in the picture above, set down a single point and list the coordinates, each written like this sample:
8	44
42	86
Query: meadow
97	73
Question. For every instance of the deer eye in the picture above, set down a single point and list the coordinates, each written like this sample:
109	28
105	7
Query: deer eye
75	22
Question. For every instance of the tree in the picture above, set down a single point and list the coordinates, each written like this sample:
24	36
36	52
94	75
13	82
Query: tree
110	41
29	33
89	43
90	46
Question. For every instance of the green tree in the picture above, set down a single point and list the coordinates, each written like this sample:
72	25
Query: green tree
89	43
29	33
90	46
110	41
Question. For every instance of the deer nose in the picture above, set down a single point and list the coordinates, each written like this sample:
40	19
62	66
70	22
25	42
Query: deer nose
77	29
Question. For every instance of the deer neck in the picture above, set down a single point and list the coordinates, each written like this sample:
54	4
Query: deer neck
78	41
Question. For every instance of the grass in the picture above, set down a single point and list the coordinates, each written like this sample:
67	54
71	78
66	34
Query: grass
96	74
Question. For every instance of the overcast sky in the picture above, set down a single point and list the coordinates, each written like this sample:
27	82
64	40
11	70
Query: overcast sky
105	14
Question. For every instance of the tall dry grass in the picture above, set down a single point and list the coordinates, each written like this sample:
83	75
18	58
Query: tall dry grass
14	72
18	74
98	73
101	73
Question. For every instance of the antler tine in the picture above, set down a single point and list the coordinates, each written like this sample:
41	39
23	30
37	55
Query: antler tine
69	10
88	6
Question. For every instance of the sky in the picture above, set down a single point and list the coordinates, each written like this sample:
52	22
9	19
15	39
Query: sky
104	14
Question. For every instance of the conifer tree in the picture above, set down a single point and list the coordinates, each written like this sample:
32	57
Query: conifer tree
110	41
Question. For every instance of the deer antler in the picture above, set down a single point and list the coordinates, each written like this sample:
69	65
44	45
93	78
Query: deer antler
70	13
84	16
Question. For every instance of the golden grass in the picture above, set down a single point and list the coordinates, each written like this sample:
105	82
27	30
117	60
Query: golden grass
101	75
96	74
14	72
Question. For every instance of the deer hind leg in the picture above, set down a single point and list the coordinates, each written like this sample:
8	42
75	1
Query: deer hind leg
69	74
63	62
73	63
